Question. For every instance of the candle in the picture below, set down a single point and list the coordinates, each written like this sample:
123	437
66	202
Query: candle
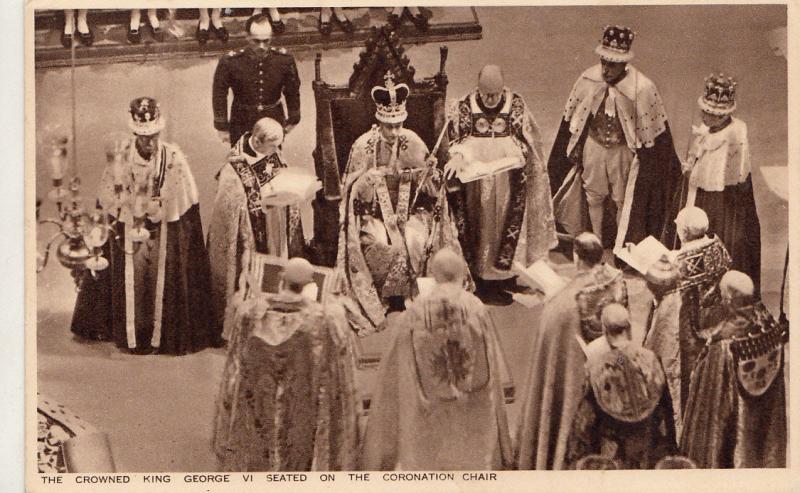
117	171
56	166
95	238
138	206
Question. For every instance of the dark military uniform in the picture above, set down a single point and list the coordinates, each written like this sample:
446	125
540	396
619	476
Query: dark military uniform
257	83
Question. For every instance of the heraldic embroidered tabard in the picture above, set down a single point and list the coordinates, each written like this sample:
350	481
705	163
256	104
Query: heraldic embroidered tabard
736	410
438	401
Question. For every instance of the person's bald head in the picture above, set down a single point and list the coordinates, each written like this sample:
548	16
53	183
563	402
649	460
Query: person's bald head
737	288
297	273
615	320
267	135
490	85
447	267
588	249
691	223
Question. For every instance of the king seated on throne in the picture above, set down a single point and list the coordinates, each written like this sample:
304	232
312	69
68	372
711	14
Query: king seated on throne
393	215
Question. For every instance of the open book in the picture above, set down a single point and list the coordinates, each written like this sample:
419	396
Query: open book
542	276
477	170
426	285
642	256
291	182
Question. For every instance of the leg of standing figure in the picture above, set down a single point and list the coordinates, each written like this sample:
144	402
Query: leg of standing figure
595	182
324	20
619	167
341	17
155	25
134	36
216	18
596	217
418	18
69	28
395	16
83	26
205	20
86	34
216	23
152	16
202	27
278	26
136	19
69	22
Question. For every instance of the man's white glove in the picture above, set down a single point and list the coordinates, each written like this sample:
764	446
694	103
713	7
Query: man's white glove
454	166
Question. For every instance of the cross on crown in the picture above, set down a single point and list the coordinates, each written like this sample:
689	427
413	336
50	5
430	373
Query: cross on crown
390	100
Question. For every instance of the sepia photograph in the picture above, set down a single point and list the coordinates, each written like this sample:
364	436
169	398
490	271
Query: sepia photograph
420	247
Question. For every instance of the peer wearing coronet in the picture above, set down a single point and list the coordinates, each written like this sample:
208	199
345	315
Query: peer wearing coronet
159	268
717	178
613	150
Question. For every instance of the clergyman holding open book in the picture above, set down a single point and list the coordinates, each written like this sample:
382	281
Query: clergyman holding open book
503	206
251	212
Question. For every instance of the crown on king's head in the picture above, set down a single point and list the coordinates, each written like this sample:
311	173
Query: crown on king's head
145	116
390	100
144	110
616	44
719	95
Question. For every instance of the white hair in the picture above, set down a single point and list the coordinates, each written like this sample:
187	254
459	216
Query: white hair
692	222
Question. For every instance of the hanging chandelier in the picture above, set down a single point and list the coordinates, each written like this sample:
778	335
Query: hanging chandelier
81	234
84	232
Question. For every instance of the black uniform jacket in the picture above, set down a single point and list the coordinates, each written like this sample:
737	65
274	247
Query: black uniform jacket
257	82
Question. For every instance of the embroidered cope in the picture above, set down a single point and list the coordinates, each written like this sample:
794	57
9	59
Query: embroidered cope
394	216
506	217
438	402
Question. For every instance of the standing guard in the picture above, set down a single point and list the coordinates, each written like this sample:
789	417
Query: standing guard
258	75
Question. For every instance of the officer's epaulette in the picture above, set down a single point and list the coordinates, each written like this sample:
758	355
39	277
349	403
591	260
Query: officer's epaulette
234	53
280	51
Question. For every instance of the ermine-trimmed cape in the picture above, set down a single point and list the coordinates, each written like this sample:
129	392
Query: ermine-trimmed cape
655	170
